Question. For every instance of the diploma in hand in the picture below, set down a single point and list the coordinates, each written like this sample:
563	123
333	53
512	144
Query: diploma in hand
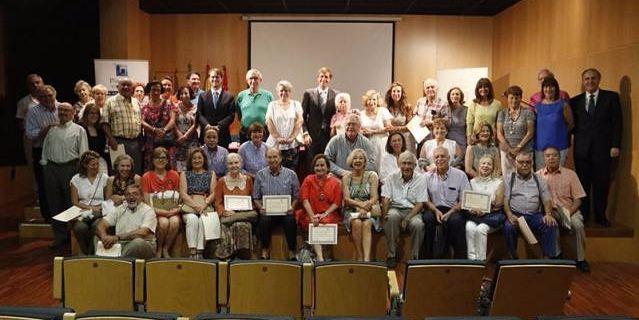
322	234
276	205
416	129
475	200
69	214
237	203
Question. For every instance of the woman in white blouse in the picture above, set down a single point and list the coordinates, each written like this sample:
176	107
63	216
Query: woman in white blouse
87	193
376	122
284	123
479	224
395	145
440	130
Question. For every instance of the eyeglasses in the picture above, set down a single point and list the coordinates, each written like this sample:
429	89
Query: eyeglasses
524	162
160	158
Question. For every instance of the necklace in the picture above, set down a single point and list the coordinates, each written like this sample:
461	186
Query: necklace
320	186
514	120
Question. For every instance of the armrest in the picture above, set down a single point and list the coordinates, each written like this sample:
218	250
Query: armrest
139	280
307	285
392	283
223	283
57	277
68	316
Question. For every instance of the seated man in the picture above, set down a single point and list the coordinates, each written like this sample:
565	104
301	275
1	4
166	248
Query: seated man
566	192
525	195
134	223
341	145
445	187
403	197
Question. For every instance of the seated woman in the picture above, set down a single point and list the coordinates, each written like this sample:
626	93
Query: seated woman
236	226
197	187
361	203
479	224
215	154
440	130
484	144
122	178
395	145
321	197
253	152
161	191
87	192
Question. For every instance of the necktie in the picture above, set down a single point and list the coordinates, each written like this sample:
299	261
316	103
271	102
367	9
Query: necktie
591	104
215	96
323	99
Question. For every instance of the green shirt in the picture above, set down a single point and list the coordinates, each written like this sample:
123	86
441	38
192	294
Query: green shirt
251	107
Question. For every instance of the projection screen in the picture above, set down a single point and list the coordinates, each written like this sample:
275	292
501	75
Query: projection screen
360	54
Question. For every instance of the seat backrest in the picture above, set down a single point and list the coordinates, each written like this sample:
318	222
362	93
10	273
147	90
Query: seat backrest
98	283
351	289
265	287
126	315
530	288
33	313
182	286
441	288
230	316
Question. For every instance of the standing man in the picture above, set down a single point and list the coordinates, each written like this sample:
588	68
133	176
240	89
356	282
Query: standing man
122	122
216	108
252	104
318	105
566	192
61	149
193	81
403	197
34	83
38	121
597	139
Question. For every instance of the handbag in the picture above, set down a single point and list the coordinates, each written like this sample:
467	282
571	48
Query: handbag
166	200
238	216
198	199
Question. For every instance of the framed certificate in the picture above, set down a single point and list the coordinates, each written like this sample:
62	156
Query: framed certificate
276	205
322	234
475	200
238	203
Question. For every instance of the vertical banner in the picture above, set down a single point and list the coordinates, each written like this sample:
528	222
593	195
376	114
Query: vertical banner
109	71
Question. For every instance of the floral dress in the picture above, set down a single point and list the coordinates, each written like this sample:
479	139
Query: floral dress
361	192
183	121
157	116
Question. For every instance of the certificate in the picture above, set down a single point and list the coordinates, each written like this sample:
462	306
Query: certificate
238	203
416	129
475	200
211	223
563	217
525	231
276	205
69	214
114	251
113	154
322	234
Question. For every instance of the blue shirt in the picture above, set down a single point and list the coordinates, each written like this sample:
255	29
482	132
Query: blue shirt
283	183
38	118
253	158
446	191
216	159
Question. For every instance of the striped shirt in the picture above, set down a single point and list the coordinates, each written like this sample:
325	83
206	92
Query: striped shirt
123	116
38	118
284	183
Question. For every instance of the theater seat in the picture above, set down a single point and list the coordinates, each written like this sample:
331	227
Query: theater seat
441	288
529	288
95	283
183	286
127	315
265	287
351	289
227	316
35	313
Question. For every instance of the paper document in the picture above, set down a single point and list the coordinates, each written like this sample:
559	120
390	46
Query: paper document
525	231
415	128
113	154
475	200
322	234
276	205
211	222
69	214
114	251
563	218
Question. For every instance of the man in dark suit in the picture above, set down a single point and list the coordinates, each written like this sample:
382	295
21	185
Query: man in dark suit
318	105
215	108
597	135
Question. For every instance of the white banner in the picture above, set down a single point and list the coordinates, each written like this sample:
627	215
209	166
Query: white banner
109	71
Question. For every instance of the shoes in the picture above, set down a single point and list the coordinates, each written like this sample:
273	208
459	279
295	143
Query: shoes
583	266
391	262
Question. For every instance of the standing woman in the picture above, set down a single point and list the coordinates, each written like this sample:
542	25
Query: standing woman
484	145
554	122
99	93
321	197
284	122
342	109
82	89
376	122
458	111
361	203
90	121
168	92
252	103
402	112
87	193
123	177
197	190
515	130
139	93
185	127
483	108
161	191
158	120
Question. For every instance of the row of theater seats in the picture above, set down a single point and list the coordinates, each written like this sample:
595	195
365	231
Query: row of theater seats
189	287
12	313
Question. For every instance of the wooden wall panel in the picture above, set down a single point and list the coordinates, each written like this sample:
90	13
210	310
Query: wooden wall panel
567	37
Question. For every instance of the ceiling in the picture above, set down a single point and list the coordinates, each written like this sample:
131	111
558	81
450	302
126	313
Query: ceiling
431	7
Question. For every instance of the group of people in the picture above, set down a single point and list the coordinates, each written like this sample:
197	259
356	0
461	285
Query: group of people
361	166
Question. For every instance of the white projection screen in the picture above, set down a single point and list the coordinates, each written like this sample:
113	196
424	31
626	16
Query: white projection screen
360	54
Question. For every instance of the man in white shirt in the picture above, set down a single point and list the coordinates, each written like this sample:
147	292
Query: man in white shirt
403	197
134	223
34	83
61	149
